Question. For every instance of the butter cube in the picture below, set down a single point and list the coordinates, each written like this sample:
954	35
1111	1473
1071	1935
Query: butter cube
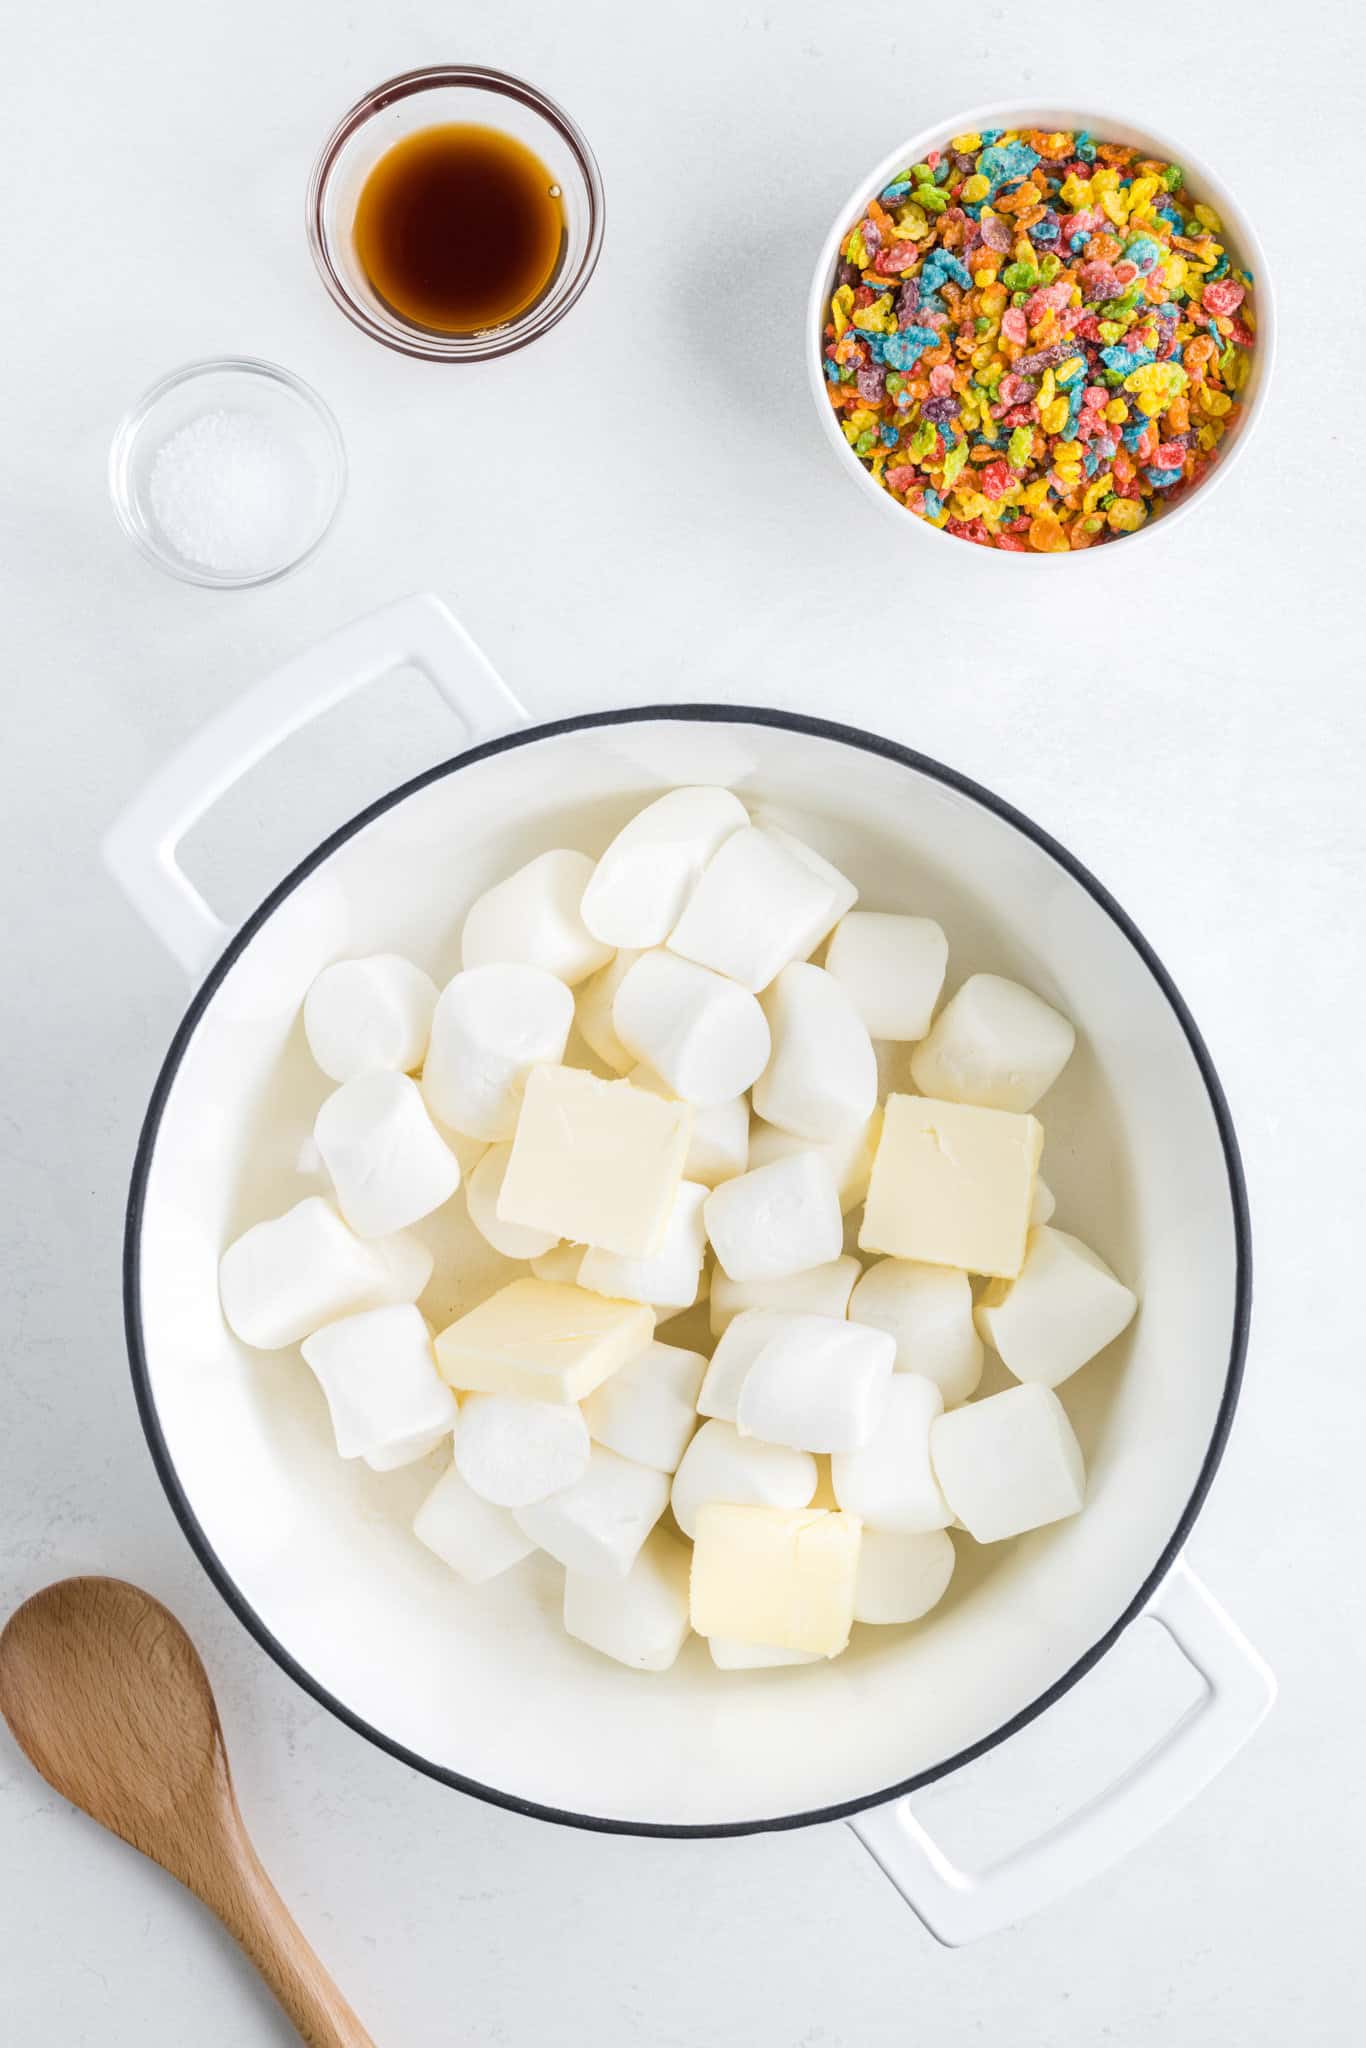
780	1576
542	1341
599	1162
952	1185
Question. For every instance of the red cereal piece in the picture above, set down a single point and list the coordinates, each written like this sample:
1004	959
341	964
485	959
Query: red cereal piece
1224	296
1014	326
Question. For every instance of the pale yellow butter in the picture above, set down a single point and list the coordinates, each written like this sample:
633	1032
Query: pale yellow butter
543	1341
781	1576
952	1185
596	1161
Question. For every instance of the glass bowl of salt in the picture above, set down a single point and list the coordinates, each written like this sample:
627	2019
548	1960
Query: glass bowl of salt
228	473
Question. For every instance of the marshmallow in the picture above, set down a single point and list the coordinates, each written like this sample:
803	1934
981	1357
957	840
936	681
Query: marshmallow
597	1525
995	1044
560	1264
1044	1203
364	1014
668	1278
1065	1306
776	1220
720	1133
729	1655
744	1338
1009	1463
952	1185
545	1342
901	1577
928	1310
843	894
593	1005
707	1039
720	1465
821	1079
641	1620
598	1162
492	1026
477	1540
513	1240
389	1164
763	900
283	1279
388	1403
774	1575
648	1411
640	887
891	968
889	1481
817	1385
819	1291
513	1452
851	1153
533	918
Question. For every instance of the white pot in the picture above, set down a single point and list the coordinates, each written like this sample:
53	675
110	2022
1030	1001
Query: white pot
478	1686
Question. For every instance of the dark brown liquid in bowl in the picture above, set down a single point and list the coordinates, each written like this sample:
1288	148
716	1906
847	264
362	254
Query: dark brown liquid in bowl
459	228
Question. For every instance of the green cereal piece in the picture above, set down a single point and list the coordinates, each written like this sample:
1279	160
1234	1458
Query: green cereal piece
925	437
1049	266
981	325
953	463
1020	447
922	174
932	199
1173	177
866	442
1019	277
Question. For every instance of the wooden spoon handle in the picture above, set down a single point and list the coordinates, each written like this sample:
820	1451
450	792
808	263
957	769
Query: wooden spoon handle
244	1899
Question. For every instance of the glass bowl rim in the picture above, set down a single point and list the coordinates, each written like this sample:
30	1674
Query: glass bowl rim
438	348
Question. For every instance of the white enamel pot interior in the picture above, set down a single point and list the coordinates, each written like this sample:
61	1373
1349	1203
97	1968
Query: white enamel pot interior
479	1686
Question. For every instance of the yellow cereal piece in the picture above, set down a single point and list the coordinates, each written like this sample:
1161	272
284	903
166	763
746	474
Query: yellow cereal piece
1125	516
1074	367
860	418
983	278
1035	494
1176	274
856	249
1208	218
1047	535
981	355
969	504
976	187
1053	417
1048	389
1216	403
1236	370
1097	491
912	221
1142	191
840	307
1076	192
1105	178
877	318
1068	451
1023	251
1210	434
1116	411
964	145
1116	206
994	299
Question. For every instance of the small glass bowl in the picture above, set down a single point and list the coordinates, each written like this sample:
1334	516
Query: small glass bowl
427	99
307	434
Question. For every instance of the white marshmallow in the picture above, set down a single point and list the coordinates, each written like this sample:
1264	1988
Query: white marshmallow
597	1526
719	1464
492	1026
641	1620
889	1481
843	894
476	1539
513	1452
1044	1203
821	1078
1065	1306
513	1240
763	901
1009	1463
668	1278
817	1385
364	1014
719	1147
388	1402
928	1310
744	1338
283	1279
593	1005
389	1164
533	918
892	969
704	1037
560	1264
648	1410
819	1291
729	1655
777	1219
851	1153
901	1577
640	887
994	1044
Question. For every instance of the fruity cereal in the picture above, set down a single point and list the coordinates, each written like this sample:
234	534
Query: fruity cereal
1036	341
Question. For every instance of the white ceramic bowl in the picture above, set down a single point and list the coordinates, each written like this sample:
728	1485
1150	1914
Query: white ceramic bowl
1200	182
478	1686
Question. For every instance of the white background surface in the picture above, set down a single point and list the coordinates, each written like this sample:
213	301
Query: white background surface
641	508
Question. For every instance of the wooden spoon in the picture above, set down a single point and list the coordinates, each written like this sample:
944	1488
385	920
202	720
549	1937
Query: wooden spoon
106	1696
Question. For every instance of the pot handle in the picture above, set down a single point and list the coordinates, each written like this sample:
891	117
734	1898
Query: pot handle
140	847
958	1906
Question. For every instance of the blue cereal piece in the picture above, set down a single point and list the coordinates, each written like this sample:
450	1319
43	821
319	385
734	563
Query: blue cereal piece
890	435
1045	230
903	351
1086	149
1076	243
1163	479
832	371
934	504
1003	161
896	191
1140	250
1124	360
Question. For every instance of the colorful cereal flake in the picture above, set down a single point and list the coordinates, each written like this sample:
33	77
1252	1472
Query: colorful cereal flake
1037	341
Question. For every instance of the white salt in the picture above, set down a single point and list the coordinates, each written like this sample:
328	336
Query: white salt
229	494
